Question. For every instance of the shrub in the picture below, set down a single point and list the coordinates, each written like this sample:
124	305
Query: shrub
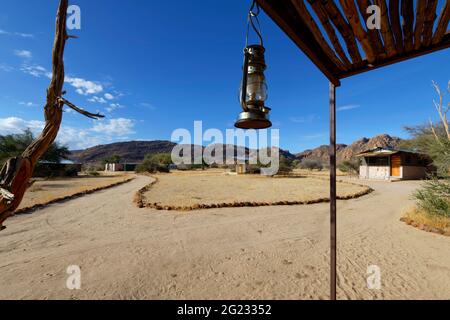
155	163
71	171
434	197
350	166
311	164
286	165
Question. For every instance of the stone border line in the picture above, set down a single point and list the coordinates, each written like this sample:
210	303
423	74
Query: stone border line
28	210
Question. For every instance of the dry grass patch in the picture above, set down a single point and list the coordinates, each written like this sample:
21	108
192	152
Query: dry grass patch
44	192
423	221
190	191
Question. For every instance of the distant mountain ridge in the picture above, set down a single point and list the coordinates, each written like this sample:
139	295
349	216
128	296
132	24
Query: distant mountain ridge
135	151
346	152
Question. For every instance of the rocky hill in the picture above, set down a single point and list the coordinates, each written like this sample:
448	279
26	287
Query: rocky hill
346	152
135	151
131	151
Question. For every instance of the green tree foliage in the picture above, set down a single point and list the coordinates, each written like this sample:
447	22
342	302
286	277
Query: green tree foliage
311	164
13	145
152	163
434	197
112	159
350	166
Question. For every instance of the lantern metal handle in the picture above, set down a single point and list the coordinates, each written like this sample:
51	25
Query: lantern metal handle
244	80
253	15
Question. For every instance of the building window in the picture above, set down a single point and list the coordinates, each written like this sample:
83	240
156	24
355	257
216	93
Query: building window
378	161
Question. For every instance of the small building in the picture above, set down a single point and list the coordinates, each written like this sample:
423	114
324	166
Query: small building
393	164
65	168
120	167
242	164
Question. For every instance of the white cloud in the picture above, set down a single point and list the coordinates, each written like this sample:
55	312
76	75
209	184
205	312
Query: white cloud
116	127
36	71
305	119
114	106
109	96
348	107
147	105
18	34
27	104
5	67
13	125
96	99
25	54
84	87
75	138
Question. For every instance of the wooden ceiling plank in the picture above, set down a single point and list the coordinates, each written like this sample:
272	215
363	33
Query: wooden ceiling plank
394	15
442	24
335	15
304	44
386	32
352	15
323	18
444	44
430	17
304	13
408	22
420	19
373	34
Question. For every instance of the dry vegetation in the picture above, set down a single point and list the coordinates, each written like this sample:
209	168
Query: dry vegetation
45	191
205	190
431	223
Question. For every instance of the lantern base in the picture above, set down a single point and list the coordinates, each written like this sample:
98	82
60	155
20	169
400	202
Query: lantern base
253	120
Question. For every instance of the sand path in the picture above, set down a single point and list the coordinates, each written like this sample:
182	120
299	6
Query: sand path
235	253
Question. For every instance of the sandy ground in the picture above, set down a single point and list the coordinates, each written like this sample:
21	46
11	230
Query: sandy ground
45	190
233	253
188	189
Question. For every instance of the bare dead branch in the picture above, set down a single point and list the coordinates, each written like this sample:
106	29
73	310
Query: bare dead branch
85	113
17	172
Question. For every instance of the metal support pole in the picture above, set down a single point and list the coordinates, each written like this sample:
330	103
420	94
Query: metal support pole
333	228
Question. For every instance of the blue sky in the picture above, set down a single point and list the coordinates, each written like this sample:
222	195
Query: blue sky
154	66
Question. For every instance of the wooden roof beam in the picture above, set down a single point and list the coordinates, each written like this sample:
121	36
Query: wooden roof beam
322	15
335	15
394	15
408	24
373	34
442	24
352	15
444	44
303	12
386	31
430	17
305	42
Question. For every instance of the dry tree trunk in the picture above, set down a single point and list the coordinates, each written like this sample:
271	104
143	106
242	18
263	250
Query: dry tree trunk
16	172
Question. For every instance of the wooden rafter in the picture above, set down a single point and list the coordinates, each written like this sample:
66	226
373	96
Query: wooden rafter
441	28
406	31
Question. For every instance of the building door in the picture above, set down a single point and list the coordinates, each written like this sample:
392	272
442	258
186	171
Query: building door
396	163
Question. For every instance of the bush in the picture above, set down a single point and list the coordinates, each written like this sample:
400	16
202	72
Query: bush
286	165
71	171
434	197
155	163
311	164
350	166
